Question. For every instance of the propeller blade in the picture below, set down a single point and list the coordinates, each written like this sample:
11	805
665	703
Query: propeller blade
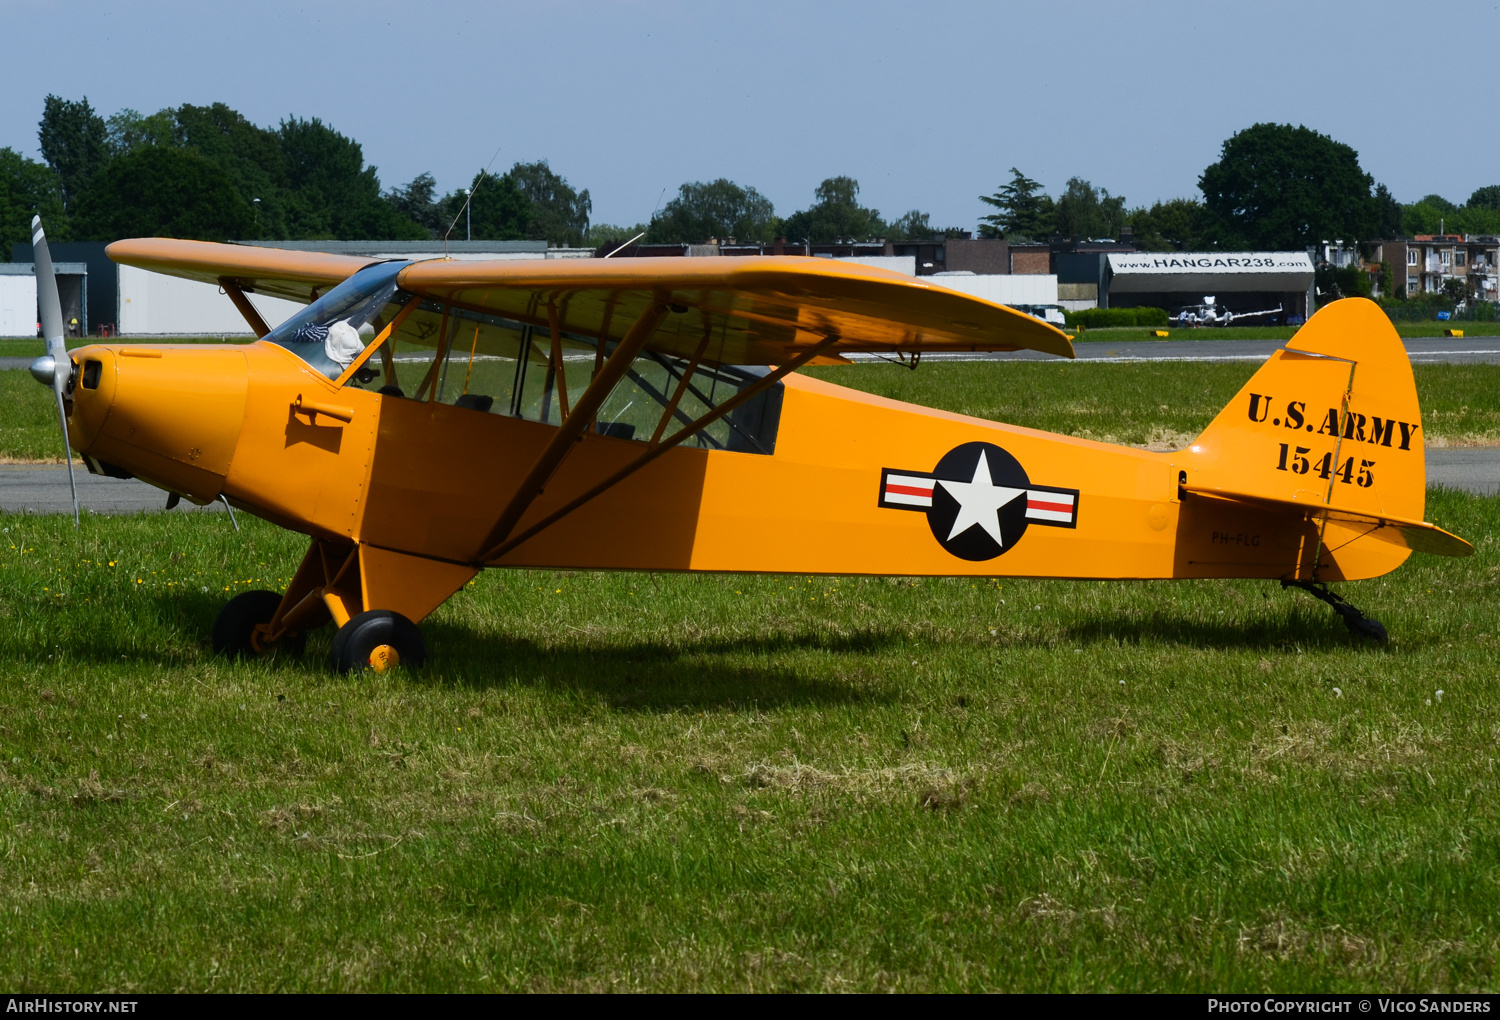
50	307
62	420
46	294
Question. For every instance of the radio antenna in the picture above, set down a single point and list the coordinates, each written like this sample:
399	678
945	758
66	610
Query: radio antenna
469	198
642	234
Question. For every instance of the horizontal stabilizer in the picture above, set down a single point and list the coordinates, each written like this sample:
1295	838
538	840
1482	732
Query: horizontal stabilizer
1418	536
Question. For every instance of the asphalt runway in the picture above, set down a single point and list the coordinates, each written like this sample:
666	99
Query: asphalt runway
1471	350
43	488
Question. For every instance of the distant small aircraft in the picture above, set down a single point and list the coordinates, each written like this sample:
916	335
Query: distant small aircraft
422	421
1210	313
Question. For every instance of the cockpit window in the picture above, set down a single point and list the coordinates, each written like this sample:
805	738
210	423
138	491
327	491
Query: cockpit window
332	331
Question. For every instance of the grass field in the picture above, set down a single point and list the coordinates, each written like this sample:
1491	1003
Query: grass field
26	347
1160	403
630	781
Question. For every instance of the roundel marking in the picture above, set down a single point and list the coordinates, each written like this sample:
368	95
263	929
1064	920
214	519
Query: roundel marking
978	500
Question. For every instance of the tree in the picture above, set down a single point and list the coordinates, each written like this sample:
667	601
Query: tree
612	235
917	226
1350	281
332	194
27	188
836	216
559	214
1025	211
498	212
1281	187
253	158
1166	226
418	202
1486	198
1084	211
130	130
1175	225
75	143
162	192
1389	212
718	209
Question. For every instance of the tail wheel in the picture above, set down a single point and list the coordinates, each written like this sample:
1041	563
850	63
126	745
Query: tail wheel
234	630
377	640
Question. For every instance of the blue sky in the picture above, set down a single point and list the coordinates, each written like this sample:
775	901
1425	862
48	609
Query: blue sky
926	104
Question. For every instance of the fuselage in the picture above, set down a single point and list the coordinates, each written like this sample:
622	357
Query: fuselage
854	484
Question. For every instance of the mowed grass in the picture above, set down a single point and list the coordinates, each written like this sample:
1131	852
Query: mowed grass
1163	404
31	347
677	782
614	781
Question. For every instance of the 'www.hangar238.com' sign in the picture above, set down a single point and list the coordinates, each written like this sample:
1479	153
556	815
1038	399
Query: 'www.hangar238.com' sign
1212	262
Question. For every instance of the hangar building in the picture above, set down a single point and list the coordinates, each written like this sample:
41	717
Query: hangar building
1239	281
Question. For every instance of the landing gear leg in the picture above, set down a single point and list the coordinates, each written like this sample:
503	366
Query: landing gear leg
235	631
1358	623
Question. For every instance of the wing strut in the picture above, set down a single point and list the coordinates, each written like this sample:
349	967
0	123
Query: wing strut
750	392
558	374
250	312
574	424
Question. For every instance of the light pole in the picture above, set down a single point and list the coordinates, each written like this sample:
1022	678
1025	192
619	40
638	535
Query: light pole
255	204
469	214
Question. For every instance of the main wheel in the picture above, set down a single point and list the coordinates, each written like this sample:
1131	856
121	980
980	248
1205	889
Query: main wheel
377	640
235	627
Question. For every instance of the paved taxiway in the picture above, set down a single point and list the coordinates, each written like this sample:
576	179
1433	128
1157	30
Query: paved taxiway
1480	350
1427	350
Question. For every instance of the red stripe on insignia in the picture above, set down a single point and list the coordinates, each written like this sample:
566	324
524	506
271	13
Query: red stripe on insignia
907	490
1060	508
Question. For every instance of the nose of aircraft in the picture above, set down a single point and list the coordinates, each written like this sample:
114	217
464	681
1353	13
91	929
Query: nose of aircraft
170	415
44	369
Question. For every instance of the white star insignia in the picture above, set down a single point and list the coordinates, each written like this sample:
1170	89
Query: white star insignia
979	502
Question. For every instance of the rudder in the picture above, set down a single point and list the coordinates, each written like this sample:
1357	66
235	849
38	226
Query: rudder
1330	420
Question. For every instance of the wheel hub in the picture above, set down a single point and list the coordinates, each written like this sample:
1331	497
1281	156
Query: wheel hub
383	658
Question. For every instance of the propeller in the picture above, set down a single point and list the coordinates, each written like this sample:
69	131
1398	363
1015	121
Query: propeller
54	368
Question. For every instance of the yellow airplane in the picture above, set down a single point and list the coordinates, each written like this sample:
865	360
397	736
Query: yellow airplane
422	421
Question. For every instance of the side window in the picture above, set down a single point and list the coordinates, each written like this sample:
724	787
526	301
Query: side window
498	366
634	410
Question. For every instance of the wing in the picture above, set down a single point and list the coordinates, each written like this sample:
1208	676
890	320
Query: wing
294	275
754	311
757	311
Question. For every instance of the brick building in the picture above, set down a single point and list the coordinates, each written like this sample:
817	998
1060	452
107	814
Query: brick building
1425	263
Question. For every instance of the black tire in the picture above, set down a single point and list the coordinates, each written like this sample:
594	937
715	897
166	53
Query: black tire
239	618
381	631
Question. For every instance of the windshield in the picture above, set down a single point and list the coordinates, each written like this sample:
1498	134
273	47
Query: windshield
332	331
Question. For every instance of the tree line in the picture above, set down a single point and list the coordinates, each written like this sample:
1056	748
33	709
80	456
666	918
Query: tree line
1275	187
207	172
